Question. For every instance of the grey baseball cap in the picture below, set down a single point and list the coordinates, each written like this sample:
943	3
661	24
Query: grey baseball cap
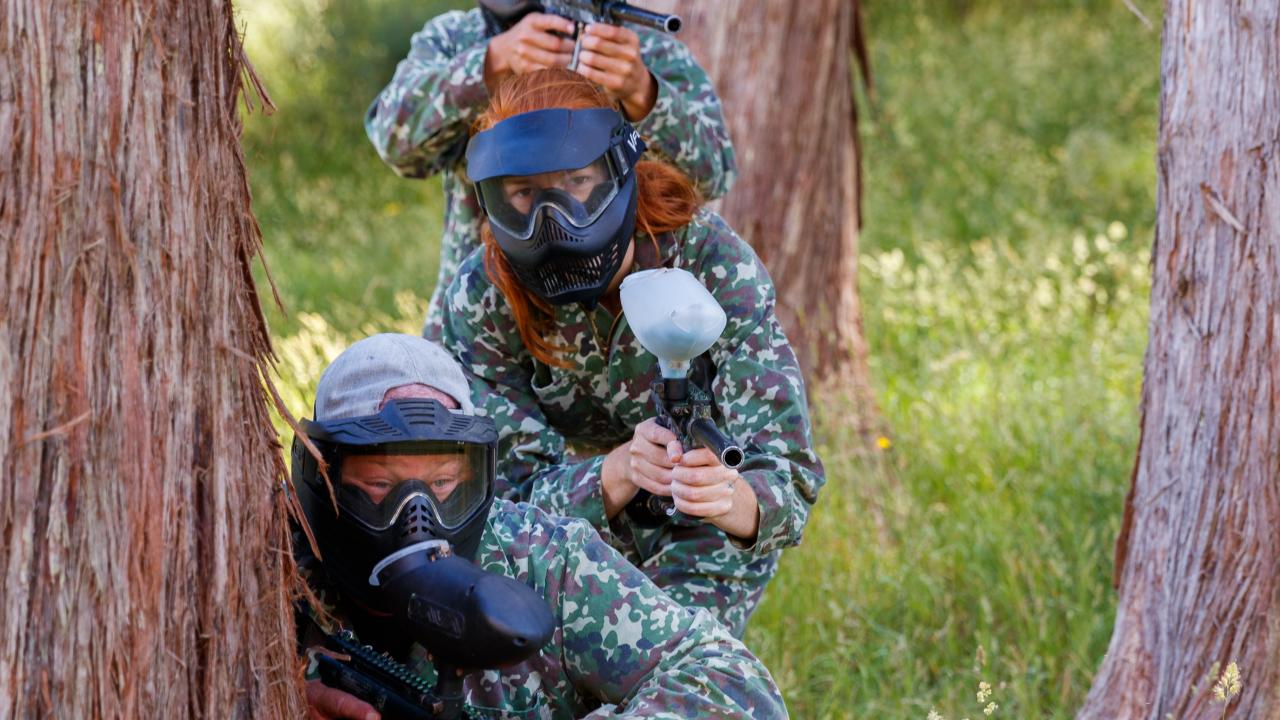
355	382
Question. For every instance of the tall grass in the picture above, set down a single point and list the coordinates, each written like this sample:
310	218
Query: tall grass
977	546
1009	166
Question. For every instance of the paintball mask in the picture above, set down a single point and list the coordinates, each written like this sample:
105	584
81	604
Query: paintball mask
436	468
407	555
559	188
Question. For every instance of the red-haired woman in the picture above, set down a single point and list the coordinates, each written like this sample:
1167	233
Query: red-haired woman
535	318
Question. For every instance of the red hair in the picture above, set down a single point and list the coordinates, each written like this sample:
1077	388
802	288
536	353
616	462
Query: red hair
667	198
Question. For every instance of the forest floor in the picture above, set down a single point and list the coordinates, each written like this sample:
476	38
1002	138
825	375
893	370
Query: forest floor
1009	165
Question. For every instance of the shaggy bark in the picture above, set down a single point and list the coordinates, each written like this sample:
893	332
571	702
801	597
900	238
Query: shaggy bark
784	71
1196	561
143	562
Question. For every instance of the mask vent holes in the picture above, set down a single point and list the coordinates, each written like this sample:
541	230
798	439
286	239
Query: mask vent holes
569	274
377	425
416	414
415	523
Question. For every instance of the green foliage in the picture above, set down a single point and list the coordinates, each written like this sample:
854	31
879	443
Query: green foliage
1009	381
344	235
993	122
1009	203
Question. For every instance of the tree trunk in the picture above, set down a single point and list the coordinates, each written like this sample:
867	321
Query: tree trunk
784	72
1197	560
143	563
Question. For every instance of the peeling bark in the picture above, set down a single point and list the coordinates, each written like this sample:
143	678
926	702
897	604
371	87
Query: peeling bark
144	569
1198	559
784	71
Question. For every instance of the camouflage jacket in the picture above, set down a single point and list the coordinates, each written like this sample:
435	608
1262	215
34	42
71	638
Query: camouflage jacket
598	400
622	648
420	123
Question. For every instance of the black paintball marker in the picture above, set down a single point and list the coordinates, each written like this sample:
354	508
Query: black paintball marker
614	12
676	318
582	13
394	690
467	620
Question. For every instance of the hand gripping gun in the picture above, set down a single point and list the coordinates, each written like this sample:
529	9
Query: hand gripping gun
676	318
583	12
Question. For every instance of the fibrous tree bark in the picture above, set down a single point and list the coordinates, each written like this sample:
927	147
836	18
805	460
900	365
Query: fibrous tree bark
785	73
1198	558
144	569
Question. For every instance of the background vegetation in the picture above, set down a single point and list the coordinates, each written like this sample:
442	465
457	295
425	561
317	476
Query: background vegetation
1008	151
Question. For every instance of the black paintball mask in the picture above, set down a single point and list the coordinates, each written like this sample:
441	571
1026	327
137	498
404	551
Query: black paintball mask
501	15
437	468
405	561
559	188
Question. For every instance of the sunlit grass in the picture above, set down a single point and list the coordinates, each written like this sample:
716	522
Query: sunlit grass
1009	179
986	527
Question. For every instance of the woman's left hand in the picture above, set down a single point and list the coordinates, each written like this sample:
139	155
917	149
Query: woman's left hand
703	488
610	58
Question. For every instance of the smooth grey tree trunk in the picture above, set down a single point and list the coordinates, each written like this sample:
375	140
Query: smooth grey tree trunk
144	570
1198	558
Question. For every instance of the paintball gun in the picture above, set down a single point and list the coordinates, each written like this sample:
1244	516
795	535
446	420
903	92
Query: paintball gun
677	319
614	12
583	12
467	620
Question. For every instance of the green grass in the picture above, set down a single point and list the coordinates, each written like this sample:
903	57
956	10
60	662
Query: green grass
1004	276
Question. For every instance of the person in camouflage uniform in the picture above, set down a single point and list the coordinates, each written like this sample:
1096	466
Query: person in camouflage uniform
620	648
419	123
576	428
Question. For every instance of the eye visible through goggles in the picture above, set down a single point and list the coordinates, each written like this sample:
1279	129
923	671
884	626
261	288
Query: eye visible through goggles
575	161
580	195
379	484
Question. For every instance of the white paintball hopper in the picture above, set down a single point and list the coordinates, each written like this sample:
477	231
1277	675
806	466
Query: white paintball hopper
673	315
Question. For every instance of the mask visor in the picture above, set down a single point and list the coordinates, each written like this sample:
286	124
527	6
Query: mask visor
514	201
379	482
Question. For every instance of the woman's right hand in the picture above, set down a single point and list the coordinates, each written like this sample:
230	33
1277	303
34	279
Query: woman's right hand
326	703
529	45
644	463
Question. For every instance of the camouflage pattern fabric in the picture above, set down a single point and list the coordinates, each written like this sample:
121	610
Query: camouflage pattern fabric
622	648
605	392
420	123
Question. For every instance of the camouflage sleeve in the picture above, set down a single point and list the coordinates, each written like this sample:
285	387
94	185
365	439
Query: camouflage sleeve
478	330
420	120
758	387
686	125
636	649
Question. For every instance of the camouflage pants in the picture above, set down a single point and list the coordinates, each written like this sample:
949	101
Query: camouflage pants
697	565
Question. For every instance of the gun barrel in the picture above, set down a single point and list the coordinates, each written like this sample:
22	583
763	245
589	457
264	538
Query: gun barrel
709	436
626	13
